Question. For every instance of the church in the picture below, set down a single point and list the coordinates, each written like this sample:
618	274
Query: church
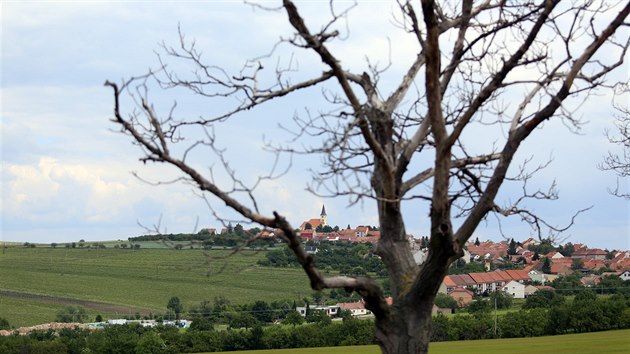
314	223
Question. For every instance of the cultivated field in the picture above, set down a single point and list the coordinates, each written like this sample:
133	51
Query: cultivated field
142	279
598	342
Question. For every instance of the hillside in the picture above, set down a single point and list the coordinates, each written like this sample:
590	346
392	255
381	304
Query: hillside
141	279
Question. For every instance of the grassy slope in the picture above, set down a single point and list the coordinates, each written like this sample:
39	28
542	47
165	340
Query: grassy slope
25	312
146	278
599	342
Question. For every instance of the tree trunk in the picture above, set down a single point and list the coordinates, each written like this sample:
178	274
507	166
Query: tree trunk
407	330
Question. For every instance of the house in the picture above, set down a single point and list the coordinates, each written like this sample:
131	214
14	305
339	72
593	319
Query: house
462	296
361	231
589	253
553	255
514	288
448	285
357	309
590	280
519	275
420	256
530	241
537	276
310	249
307	234
375	234
270	233
625	275
560	269
439	310
462	280
529	290
330	311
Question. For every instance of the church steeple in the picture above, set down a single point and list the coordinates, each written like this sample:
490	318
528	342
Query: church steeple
323	216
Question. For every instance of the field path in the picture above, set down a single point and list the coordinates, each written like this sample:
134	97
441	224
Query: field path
102	307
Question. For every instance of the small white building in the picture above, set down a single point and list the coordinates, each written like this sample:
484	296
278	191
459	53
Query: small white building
625	275
419	257
514	288
357	309
536	276
330	311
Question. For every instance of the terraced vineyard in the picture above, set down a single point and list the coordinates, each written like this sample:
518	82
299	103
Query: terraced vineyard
141	279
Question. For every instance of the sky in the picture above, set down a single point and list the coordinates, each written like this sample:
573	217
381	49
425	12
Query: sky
68	173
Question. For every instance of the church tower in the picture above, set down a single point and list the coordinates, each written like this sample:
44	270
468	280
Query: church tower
323	217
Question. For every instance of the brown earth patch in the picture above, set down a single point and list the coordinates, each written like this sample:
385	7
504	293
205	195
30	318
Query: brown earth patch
102	307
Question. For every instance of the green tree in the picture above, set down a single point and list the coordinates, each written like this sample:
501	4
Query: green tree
536	256
568	284
445	301
512	248
576	264
241	320
502	299
238	229
318	297
4	324
479	307
151	343
293	318
440	328
586	295
175	305
262	312
71	314
318	316
546	267
200	323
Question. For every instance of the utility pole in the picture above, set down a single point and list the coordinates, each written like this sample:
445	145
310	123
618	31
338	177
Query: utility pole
495	314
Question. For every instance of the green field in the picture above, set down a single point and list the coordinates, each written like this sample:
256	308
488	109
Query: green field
25	312
598	342
144	278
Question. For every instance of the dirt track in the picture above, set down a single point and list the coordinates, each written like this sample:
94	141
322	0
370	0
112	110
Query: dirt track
100	307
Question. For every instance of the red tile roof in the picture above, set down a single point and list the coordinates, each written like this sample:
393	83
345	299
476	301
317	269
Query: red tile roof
450	283
351	305
314	223
518	274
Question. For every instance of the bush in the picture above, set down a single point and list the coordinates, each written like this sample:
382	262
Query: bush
445	301
71	314
4	324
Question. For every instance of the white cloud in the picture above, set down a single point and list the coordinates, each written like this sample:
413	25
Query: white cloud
52	192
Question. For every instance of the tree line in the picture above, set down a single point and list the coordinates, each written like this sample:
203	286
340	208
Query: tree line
586	313
354	259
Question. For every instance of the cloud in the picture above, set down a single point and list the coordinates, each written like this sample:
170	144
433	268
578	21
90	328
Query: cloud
54	193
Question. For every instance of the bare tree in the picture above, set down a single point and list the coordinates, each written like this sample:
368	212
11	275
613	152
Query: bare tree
471	59
619	163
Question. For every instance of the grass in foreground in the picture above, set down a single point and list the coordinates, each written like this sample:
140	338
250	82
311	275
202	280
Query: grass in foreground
585	343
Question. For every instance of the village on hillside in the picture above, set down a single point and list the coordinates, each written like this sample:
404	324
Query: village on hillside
517	268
